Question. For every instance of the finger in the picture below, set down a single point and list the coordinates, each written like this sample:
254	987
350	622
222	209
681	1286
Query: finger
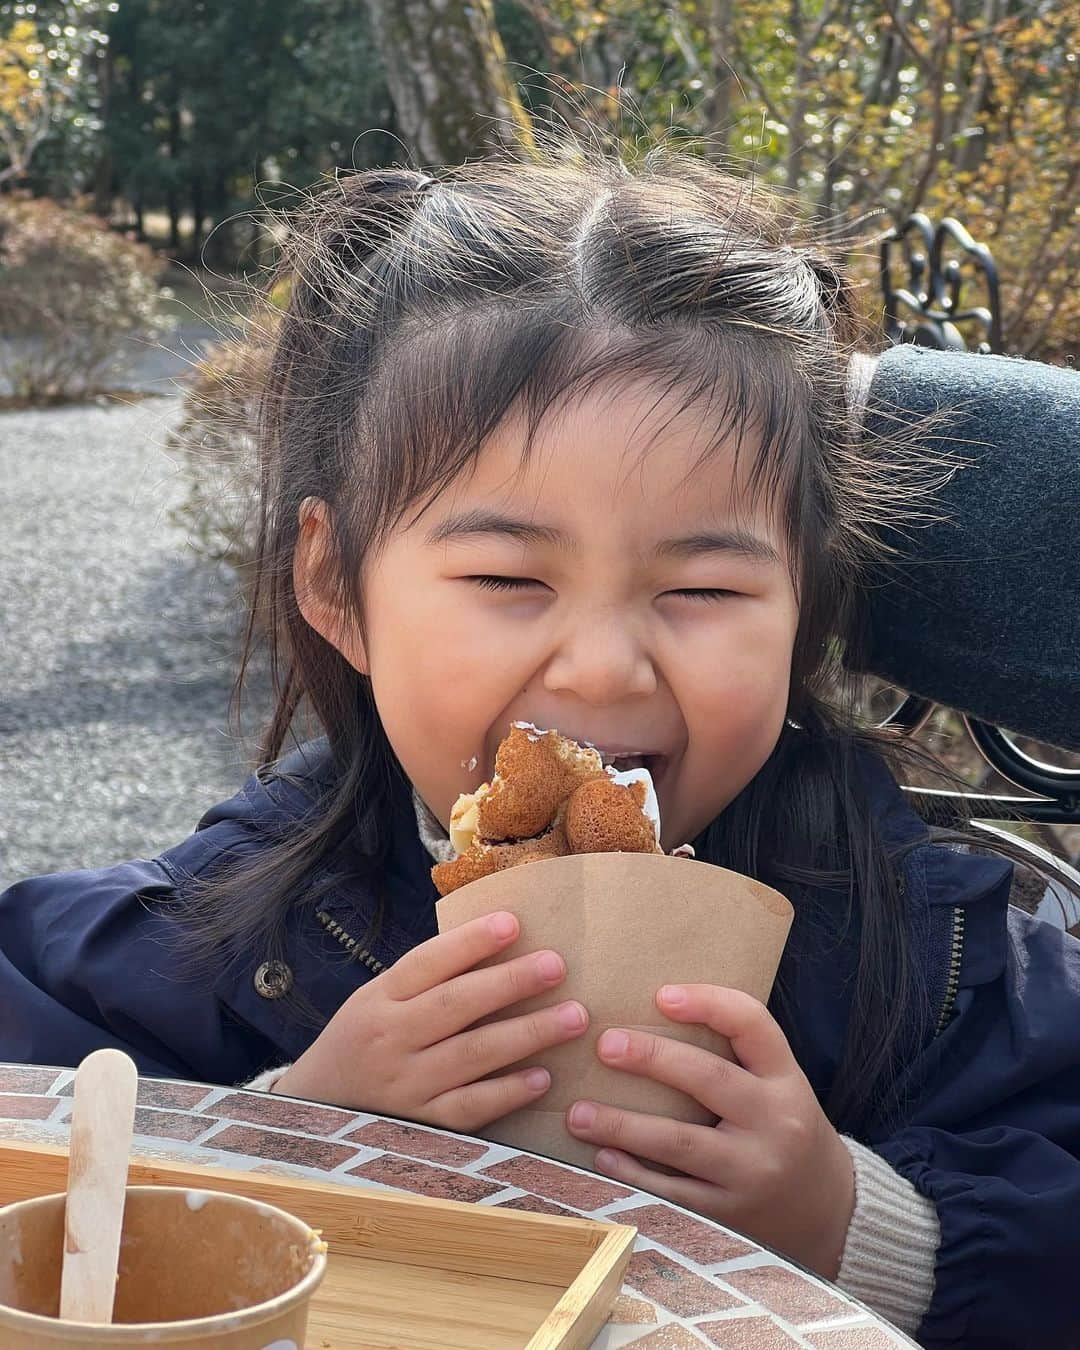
486	1049
471	1107
721	1086
465	999
700	1151
755	1036
441	958
699	1196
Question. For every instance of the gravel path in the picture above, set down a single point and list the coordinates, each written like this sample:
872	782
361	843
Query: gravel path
119	645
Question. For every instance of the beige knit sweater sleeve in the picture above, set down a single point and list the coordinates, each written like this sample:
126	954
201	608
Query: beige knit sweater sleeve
892	1242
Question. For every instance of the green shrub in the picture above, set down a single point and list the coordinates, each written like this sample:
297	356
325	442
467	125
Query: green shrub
75	299
214	444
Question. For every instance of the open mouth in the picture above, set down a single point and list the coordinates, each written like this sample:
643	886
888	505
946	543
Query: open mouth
622	762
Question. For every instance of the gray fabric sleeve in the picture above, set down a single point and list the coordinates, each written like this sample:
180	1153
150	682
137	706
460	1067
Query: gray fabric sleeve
983	614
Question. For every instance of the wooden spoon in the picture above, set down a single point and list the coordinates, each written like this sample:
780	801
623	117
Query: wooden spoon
102	1122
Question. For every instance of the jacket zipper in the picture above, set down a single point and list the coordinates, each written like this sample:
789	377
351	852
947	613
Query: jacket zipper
349	943
952	982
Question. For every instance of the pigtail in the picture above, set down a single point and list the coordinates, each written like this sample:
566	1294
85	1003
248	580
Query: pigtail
335	267
328	263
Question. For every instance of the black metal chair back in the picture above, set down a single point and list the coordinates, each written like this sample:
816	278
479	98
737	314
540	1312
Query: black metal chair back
927	309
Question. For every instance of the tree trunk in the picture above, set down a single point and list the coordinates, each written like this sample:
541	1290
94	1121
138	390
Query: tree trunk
446	71
173	198
103	167
717	108
104	185
800	104
198	213
831	172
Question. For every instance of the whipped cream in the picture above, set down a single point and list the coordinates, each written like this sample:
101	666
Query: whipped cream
531	730
642	775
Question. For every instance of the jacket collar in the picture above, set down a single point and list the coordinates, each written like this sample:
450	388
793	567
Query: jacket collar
289	789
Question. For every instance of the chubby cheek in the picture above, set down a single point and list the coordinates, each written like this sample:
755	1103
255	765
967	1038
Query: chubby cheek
437	690
733	725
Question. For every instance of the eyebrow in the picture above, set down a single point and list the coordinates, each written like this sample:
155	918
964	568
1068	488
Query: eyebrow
470	524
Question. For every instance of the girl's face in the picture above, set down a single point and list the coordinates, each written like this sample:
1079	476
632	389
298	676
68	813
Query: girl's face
604	589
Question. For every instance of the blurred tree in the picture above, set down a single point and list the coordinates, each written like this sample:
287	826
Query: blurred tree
863	109
208	102
446	69
49	53
25	105
965	107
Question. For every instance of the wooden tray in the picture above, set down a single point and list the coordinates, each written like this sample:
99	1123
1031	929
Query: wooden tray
407	1270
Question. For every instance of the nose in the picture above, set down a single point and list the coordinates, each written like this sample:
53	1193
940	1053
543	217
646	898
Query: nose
602	662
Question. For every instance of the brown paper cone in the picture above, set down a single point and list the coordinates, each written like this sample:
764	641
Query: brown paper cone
625	924
201	1270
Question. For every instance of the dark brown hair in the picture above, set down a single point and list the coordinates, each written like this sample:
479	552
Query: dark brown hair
423	308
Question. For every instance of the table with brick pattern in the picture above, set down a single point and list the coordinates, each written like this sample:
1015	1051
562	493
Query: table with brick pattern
690	1282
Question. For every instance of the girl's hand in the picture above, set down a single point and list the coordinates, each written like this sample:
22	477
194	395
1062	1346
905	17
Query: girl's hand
773	1167
400	1044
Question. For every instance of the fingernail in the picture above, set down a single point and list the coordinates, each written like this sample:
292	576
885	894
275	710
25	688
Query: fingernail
550	965
572	1016
503	925
538	1080
672	995
583	1115
614	1043
607	1161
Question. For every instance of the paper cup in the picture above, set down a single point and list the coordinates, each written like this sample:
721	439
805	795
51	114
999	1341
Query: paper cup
625	924
197	1269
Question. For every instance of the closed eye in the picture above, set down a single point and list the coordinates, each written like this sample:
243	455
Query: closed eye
497	583
703	593
492	583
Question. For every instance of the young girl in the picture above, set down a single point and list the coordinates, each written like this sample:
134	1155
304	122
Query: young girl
561	442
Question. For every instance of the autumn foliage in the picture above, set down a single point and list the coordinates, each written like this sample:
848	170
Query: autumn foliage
868	111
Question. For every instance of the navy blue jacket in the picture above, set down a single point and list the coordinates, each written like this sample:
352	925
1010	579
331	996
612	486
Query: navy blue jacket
992	1132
